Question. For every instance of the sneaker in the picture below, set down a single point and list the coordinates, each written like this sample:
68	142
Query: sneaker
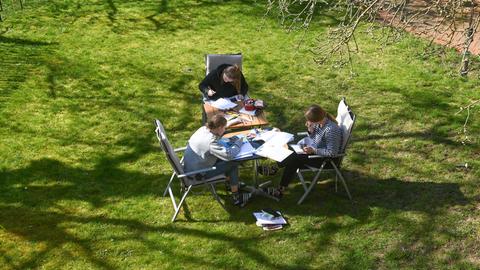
274	192
241	199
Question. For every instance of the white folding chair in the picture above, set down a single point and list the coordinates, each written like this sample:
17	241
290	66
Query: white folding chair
346	121
187	180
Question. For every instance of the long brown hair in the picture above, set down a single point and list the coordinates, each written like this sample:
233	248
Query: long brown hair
216	121
234	73
315	113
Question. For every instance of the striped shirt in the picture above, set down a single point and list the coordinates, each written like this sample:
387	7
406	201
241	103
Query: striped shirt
327	139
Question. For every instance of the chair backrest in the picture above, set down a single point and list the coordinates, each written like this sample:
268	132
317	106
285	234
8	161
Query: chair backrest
167	148
212	61
346	121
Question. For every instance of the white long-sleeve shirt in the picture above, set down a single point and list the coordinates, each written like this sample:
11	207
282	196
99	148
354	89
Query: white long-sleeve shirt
203	150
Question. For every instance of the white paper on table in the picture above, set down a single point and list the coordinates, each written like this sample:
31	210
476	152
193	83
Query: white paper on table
262	220
274	147
272	151
233	121
246	150
242	110
223	104
277	137
265	136
280	138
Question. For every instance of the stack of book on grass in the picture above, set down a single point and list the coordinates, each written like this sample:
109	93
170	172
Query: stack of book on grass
269	219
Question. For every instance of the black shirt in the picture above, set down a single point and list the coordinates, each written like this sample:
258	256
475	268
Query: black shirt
214	80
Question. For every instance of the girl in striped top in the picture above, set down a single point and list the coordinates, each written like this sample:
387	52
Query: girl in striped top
326	140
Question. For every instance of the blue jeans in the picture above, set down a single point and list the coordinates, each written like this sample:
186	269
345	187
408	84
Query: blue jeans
229	168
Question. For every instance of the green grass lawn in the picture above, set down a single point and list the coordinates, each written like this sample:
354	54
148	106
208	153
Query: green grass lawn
81	175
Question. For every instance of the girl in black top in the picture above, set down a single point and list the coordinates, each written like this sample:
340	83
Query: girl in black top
224	82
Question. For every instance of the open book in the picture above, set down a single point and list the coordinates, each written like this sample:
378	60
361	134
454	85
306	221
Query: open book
268	221
274	146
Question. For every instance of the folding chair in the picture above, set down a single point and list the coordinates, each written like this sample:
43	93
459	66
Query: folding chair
346	120
188	180
212	61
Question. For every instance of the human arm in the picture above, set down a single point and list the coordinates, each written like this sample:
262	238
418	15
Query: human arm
333	139
225	153
206	83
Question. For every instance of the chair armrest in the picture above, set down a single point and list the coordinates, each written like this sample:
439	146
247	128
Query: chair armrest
304	133
180	149
197	172
318	156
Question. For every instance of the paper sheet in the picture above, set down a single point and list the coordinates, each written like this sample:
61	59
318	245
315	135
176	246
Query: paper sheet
233	121
274	146
297	148
265	136
272	151
223	104
277	137
246	150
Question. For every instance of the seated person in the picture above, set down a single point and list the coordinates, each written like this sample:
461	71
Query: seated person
204	151
224	82
326	138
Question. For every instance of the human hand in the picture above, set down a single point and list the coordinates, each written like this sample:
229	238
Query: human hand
310	126
210	92
309	150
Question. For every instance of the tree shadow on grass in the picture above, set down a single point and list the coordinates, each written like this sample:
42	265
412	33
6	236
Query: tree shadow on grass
48	227
19	59
388	196
383	204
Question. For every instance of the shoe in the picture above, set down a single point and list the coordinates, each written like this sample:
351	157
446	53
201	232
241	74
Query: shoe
274	192
241	199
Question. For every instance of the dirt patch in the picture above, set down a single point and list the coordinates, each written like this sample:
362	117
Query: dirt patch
431	27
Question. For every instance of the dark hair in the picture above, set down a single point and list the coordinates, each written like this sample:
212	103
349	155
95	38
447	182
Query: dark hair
216	121
234	73
315	113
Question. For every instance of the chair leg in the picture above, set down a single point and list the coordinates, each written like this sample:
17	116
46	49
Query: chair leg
302	180
169	183
312	185
336	183
177	209
339	174
172	197
215	195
